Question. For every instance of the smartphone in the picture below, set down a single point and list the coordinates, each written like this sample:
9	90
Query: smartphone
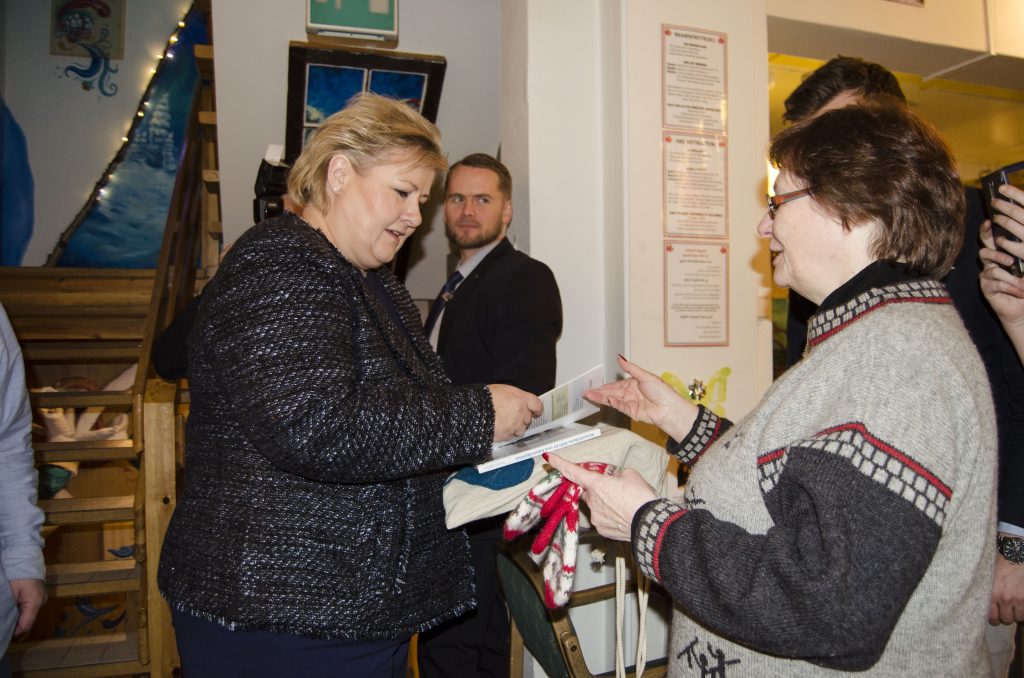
990	183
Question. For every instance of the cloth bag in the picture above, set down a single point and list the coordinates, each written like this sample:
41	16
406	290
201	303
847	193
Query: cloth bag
470	495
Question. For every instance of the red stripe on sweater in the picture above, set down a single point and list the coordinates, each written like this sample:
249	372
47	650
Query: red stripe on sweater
892	451
657	544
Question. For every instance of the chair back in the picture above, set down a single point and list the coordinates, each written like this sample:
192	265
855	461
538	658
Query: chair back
534	622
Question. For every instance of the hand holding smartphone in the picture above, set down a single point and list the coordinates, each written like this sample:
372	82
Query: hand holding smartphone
990	183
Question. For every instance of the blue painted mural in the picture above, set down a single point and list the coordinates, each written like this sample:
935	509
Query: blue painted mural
17	191
122	225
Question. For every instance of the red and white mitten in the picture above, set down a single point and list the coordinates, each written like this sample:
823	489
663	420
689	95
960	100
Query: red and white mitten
527	514
559	566
557	500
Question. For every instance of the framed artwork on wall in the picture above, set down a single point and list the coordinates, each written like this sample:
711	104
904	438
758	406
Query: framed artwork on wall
85	29
322	79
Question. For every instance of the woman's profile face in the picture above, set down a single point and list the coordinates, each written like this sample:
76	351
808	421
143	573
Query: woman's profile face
811	251
372	214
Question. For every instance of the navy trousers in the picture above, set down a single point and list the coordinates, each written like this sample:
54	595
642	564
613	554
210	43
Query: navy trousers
208	650
475	645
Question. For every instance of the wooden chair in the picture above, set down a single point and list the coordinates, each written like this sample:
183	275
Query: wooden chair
549	634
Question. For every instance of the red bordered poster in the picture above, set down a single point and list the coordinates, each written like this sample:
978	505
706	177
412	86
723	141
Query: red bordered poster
696	293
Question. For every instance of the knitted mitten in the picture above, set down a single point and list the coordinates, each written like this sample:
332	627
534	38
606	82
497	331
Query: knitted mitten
557	501
527	513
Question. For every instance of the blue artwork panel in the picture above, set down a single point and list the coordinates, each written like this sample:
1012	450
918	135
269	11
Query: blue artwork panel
17	188
124	226
328	89
406	87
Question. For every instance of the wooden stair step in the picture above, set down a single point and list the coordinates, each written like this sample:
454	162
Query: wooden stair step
72	274
71	304
208	121
85	657
92	450
80	398
67	327
89	510
81	351
204	60
211	179
69	580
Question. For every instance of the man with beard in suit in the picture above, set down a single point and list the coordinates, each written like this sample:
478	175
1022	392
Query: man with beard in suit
496	321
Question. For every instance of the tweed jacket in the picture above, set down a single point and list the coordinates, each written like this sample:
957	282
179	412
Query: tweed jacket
319	438
847	523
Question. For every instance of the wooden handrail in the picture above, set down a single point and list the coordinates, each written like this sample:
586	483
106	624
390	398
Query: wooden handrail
175	272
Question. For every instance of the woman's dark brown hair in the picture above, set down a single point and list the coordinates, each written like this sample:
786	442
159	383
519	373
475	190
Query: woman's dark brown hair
877	162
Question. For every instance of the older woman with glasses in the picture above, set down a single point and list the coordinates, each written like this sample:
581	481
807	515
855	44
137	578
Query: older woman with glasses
846	523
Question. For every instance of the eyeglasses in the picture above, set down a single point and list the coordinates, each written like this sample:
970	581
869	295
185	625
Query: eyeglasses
777	201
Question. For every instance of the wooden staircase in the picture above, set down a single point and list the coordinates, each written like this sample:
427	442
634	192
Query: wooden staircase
85	323
96	323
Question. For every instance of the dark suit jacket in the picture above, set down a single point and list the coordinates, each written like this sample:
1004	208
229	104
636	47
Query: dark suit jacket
501	325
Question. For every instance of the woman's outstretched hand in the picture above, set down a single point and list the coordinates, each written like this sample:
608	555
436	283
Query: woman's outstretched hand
644	397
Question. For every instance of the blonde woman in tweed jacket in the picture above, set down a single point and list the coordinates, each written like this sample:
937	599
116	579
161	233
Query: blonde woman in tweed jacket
310	539
846	524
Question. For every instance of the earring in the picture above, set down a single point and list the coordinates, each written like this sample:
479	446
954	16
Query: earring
334	189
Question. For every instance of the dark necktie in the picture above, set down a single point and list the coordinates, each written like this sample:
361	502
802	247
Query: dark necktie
442	299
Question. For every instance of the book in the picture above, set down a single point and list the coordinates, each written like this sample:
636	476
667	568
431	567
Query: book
563	404
528	447
556	428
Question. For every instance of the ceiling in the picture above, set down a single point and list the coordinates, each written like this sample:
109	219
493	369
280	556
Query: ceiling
983	124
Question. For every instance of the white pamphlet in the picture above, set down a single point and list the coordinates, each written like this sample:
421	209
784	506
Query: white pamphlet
564	404
555	428
546	441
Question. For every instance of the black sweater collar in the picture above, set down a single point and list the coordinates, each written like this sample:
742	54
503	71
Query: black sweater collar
875	274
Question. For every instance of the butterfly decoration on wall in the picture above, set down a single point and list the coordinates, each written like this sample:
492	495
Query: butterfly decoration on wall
711	394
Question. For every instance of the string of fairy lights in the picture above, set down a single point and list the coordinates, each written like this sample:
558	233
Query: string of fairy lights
100	189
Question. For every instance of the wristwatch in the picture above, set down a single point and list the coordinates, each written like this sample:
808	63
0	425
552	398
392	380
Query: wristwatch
1011	548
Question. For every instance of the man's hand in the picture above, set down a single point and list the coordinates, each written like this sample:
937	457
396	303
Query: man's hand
1007	604
29	594
1003	290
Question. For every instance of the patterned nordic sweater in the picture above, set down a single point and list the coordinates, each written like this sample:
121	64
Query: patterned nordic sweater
847	523
318	442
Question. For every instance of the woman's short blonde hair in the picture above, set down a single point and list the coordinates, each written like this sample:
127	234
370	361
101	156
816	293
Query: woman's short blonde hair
371	130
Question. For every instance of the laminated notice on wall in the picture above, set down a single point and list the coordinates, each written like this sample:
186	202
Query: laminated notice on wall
693	80
694	177
696	293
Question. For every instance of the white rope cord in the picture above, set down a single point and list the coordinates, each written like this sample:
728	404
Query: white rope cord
643	592
620	604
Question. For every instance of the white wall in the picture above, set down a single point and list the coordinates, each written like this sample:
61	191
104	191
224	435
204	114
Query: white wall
72	133
566	141
1008	27
747	134
251	63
